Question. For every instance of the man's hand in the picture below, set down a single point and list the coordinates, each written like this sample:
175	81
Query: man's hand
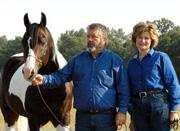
37	80
173	116
120	118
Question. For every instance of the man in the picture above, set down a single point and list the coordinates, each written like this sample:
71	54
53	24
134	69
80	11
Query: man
100	84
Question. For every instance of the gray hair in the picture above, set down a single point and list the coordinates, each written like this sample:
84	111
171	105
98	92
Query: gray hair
102	29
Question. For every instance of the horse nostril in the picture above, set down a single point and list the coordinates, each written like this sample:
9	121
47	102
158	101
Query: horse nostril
31	76
23	71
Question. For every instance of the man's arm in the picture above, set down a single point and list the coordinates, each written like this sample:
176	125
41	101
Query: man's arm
123	92
56	79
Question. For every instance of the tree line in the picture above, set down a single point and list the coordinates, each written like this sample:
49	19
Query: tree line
73	42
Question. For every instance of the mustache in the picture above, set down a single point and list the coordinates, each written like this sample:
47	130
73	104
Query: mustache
90	44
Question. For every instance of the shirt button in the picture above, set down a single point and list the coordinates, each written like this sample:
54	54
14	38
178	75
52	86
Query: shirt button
91	89
90	99
92	79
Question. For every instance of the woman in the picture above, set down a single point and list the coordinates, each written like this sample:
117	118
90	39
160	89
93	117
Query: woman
154	83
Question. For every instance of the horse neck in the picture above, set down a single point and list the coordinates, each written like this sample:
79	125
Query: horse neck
56	61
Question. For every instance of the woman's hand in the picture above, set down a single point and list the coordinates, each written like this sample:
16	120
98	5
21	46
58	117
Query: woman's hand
120	119
173	116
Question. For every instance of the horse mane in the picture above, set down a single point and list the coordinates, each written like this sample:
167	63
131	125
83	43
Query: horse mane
55	55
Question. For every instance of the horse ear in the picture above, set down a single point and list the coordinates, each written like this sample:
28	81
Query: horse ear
43	19
26	20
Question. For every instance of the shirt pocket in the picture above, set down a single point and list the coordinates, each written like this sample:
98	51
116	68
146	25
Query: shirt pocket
153	71
105	78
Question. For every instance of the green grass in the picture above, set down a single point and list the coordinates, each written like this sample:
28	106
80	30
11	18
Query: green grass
49	126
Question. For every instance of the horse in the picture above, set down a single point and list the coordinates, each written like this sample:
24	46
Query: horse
19	97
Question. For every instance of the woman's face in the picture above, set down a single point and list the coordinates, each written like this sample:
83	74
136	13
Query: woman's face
143	42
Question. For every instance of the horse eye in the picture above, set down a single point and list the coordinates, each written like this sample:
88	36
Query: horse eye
41	42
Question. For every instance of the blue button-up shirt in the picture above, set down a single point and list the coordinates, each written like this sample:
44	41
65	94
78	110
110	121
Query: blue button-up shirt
155	71
99	83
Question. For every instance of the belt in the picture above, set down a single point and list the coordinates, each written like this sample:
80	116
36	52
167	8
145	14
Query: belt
95	111
145	94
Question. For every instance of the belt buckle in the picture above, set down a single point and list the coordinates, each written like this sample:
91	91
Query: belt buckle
142	94
93	111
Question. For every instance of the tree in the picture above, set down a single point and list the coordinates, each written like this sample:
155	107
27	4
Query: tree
116	40
121	44
71	43
3	40
164	25
9	48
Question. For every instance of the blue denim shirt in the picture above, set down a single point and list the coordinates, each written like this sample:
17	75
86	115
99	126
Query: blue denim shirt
155	71
99	83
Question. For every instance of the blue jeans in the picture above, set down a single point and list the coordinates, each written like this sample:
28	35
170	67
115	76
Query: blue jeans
151	113
95	122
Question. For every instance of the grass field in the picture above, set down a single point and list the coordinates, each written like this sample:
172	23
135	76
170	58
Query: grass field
49	126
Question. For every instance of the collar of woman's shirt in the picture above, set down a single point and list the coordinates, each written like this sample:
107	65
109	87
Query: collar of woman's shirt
149	53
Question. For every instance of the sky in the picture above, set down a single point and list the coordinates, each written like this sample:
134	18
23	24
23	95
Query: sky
66	15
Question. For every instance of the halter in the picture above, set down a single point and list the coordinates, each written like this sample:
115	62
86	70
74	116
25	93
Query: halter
30	55
37	59
175	122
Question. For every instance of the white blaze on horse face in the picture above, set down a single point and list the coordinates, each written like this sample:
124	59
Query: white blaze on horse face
29	66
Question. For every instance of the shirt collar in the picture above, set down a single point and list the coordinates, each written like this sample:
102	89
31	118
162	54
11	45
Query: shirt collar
150	53
101	53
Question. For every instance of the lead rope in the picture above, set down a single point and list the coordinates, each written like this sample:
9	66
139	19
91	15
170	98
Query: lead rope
51	110
176	122
118	129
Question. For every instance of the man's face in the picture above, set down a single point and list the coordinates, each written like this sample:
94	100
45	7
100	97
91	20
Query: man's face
94	40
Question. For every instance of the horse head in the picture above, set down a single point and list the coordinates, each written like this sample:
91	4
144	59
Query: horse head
38	45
